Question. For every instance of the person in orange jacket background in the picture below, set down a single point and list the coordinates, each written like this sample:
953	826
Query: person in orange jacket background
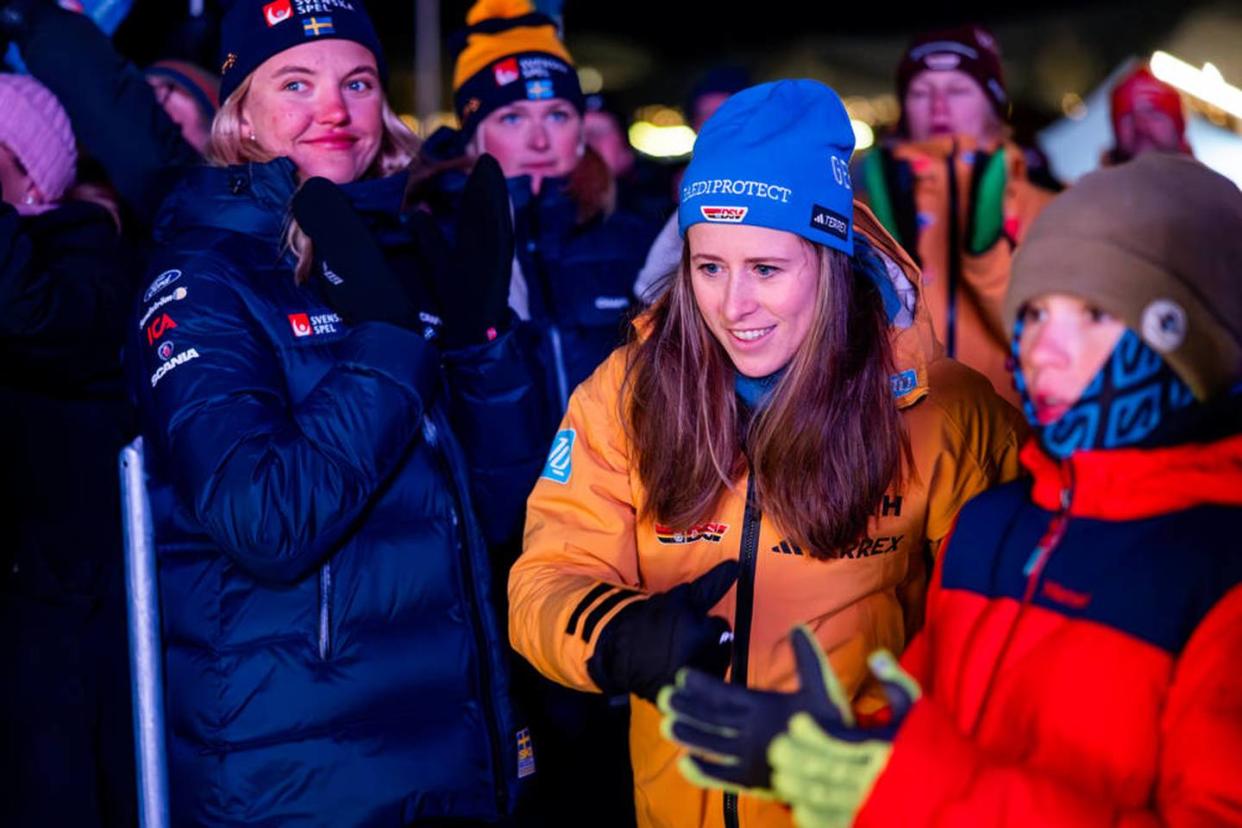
782	420
1079	662
954	191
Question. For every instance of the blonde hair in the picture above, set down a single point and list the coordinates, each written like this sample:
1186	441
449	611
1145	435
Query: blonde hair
398	150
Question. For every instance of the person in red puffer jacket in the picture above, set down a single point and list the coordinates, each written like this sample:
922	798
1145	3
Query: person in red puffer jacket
1079	664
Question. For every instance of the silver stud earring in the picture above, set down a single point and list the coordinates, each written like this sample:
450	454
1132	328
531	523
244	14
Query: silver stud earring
253	138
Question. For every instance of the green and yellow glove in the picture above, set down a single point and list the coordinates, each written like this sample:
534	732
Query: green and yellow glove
826	771
726	728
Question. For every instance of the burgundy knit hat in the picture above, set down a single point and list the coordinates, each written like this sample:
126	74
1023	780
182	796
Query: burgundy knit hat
37	130
969	49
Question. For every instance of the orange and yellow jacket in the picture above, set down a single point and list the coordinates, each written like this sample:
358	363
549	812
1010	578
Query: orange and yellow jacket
960	209
587	555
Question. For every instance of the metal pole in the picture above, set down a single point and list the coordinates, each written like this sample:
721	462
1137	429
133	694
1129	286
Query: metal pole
426	58
145	650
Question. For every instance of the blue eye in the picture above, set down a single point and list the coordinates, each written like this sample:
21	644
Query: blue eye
765	271
709	269
359	85
558	116
510	118
294	86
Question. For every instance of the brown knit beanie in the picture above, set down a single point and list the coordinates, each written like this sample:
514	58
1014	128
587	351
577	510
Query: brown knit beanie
1157	242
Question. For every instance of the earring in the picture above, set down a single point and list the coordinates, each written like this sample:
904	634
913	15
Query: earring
252	138
29	199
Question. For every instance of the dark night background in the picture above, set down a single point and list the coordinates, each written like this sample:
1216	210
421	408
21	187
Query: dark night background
652	52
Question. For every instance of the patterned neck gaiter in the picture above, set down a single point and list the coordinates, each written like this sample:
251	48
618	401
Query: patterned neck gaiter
1135	400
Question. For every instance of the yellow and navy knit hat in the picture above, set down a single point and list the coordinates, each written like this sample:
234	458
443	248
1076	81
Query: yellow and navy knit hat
510	53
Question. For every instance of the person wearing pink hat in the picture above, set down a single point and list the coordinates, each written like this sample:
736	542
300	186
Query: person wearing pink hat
64	295
127	121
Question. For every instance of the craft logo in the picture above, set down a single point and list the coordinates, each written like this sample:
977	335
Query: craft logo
506	72
307	325
162	281
277	12
171	362
560	459
177	295
605	303
834	224
539	90
726	215
710	532
159	327
166	350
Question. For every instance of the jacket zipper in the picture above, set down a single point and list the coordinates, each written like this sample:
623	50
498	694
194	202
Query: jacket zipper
325	610
955	258
537	281
1034	571
747	558
447	454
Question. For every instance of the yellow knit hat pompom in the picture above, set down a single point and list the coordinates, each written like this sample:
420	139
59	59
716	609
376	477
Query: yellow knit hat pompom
485	48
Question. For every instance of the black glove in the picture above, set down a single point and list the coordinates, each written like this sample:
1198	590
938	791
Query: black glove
646	643
471	282
356	279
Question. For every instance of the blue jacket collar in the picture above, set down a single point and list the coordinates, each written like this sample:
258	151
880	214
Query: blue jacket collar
253	199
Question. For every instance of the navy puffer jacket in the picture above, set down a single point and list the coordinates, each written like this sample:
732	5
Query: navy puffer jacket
331	656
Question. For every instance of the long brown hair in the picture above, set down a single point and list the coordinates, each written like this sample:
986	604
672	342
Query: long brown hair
823	449
398	150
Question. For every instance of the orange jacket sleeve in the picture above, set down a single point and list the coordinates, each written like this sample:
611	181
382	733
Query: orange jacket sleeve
579	564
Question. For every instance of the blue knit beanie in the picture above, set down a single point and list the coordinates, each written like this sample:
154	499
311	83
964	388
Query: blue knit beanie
776	155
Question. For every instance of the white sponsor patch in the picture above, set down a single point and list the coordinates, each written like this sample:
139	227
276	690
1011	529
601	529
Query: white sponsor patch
162	281
176	296
173	362
727	215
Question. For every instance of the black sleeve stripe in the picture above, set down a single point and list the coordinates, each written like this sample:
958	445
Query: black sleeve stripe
599	612
591	598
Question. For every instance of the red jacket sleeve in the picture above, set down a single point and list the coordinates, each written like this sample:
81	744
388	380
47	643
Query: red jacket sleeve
936	776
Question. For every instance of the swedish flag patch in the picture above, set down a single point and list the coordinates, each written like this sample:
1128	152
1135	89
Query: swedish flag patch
525	754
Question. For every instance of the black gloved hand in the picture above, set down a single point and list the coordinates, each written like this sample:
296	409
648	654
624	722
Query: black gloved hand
471	282
357	280
645	644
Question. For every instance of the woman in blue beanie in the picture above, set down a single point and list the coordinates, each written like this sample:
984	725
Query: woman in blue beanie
782	421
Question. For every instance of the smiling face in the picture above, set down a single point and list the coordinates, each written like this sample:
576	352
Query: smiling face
320	105
542	139
948	102
1064	343
756	289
